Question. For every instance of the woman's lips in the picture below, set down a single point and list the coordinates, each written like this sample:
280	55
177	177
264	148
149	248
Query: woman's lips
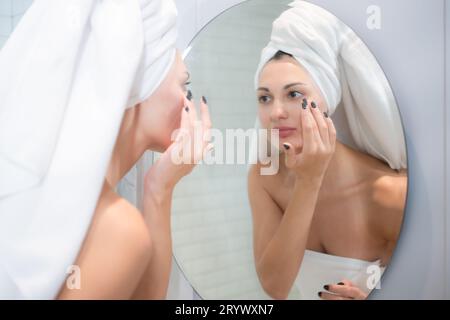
285	131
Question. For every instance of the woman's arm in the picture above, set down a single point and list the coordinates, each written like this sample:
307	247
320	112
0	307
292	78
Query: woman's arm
157	207
280	239
159	184
114	254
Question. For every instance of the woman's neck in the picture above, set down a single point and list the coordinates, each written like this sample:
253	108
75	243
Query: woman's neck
349	168
129	148
343	170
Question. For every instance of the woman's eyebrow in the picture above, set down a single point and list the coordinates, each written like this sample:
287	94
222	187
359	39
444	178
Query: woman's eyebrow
285	87
294	84
188	75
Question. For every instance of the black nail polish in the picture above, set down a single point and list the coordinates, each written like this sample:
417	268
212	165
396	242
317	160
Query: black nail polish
204	100
319	294
341	283
286	146
313	104
187	109
304	104
325	114
189	95
326	287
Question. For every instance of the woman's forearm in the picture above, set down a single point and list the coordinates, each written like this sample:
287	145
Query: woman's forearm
157	206
282	257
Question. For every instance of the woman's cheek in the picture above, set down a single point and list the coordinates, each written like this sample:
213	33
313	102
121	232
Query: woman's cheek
264	118
174	116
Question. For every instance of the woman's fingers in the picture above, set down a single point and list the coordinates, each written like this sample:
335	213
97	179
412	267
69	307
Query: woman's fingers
191	111
342	290
311	136
290	156
321	123
331	296
184	123
331	131
346	289
200	131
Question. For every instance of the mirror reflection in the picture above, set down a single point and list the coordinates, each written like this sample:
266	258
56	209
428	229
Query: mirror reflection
324	225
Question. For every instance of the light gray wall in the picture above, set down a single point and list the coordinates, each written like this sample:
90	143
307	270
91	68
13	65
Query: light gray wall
447	110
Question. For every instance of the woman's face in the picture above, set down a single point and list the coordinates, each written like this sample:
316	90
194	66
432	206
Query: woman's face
283	84
160	115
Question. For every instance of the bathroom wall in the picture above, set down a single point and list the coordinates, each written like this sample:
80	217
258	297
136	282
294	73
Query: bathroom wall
447	128
11	11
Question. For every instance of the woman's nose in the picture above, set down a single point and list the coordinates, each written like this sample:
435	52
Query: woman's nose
278	112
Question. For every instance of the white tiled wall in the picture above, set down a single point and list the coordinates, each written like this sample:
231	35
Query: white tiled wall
11	11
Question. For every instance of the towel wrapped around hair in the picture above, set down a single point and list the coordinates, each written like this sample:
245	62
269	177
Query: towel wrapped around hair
67	74
347	75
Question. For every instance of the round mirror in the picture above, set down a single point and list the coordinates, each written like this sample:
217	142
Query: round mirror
241	234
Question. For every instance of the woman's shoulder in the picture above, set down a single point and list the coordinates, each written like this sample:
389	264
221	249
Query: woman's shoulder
112	202
389	190
388	186
389	200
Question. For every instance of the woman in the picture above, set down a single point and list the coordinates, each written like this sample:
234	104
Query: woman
331	211
127	253
66	140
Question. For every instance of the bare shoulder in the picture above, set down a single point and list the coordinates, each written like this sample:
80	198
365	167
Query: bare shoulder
389	190
110	200
118	214
389	199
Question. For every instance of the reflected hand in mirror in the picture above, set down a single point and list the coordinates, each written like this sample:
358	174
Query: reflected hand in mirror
325	200
344	290
325	225
323	216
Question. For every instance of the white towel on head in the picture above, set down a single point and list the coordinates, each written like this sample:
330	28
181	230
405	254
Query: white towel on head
67	74
346	73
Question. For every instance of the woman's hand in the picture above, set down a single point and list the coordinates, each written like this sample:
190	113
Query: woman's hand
344	290
319	140
190	146
191	143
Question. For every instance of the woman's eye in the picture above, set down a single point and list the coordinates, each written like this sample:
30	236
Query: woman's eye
295	94
264	99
